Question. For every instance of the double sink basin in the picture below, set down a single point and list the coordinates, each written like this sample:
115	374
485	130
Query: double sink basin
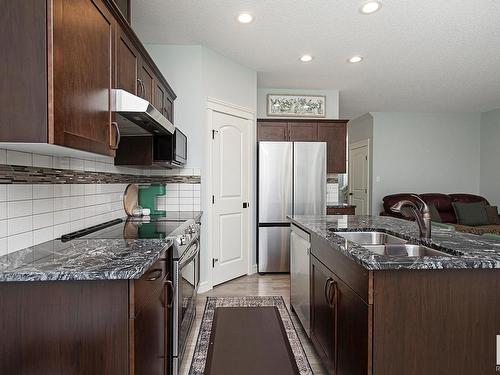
386	244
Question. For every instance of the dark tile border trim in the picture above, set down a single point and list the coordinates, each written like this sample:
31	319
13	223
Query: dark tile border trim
15	174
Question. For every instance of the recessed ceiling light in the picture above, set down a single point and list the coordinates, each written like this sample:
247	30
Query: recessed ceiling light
370	7
306	58
245	18
355	59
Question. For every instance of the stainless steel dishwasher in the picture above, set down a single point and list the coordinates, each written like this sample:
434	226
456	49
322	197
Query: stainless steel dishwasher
300	248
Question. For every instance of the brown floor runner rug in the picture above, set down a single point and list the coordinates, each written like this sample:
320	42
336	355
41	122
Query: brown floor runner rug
248	335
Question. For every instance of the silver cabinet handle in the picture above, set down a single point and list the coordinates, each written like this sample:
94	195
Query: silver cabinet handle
143	88
118	135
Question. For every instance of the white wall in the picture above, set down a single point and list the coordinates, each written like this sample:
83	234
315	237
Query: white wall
196	73
182	67
490	156
361	129
332	100
425	152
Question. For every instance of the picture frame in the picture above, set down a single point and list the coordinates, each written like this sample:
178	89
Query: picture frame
296	105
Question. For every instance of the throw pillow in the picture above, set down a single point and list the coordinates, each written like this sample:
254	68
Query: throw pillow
435	217
492	212
471	214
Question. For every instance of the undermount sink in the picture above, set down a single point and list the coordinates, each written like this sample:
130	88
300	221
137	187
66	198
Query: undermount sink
386	244
371	238
409	250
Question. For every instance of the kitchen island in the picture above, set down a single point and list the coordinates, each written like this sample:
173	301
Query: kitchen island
373	313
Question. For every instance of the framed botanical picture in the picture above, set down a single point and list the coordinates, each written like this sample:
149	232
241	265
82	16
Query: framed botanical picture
286	105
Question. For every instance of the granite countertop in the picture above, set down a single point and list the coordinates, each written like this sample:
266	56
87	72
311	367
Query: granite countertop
82	260
467	251
89	259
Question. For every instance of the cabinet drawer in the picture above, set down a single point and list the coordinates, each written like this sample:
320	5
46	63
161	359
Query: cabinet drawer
352	274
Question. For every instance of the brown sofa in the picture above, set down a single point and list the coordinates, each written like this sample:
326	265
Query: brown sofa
444	205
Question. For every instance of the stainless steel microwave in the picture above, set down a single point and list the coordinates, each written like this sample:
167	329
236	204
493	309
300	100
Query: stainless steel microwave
171	150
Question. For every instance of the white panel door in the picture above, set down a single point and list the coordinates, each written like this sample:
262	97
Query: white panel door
231	171
359	179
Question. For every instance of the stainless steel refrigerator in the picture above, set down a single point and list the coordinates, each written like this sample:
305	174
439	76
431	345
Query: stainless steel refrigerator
292	181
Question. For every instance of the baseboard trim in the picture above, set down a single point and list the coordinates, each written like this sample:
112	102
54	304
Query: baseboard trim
254	269
204	287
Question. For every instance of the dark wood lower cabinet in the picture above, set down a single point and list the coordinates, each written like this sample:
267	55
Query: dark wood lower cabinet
393	322
111	327
339	323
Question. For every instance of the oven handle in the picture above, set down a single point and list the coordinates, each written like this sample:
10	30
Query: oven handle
183	262
170	287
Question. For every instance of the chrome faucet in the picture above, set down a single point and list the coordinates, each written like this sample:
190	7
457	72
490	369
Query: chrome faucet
420	212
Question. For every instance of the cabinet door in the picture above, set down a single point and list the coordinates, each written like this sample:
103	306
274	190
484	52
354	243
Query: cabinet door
127	62
159	97
168	108
335	136
146	81
352	331
303	131
272	131
82	71
322	314
150	332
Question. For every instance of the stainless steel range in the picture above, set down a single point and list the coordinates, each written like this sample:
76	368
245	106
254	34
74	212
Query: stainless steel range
186	277
185	270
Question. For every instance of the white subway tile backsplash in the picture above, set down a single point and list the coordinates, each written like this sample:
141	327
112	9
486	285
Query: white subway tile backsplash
19	241
77	189
43	161
63	203
43	191
61	162
32	214
77	214
3	210
76	164
3	246
19	208
43	235
61	229
62	190
3	193
19	192
19	158
43	220
20	225
3	228
41	206
61	217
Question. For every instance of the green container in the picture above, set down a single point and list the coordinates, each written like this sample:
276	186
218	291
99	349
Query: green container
147	197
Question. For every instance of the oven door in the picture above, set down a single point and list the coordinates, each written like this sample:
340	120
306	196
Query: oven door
189	277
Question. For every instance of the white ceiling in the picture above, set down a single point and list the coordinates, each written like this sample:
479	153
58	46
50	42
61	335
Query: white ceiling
420	55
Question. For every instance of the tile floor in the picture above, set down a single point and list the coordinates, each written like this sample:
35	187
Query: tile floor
254	285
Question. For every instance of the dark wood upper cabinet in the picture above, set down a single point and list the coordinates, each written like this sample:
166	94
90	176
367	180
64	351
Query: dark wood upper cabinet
124	6
82	76
127	63
23	85
168	108
272	131
335	135
146	81
64	60
303	131
333	132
